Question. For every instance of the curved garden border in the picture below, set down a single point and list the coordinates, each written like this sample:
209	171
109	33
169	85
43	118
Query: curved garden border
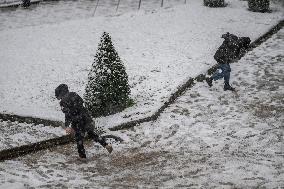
47	144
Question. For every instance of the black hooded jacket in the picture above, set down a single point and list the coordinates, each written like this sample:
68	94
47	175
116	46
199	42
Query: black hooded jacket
231	49
76	114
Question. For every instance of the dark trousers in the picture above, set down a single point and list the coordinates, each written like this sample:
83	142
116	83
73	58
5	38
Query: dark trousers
79	137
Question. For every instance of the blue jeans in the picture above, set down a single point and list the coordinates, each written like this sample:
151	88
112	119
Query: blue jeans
226	69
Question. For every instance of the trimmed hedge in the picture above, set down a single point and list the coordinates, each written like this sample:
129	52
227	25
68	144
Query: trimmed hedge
258	5
214	3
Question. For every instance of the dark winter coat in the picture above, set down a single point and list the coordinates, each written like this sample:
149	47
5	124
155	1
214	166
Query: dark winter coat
244	43
231	49
75	112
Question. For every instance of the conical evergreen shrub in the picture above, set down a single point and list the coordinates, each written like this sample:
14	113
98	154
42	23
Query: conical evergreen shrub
107	91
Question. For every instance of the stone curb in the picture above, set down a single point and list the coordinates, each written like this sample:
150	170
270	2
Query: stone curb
31	148
17	4
30	120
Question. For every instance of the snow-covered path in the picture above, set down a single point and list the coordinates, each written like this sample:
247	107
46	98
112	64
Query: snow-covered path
208	138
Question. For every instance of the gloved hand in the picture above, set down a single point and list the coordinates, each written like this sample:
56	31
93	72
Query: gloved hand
69	131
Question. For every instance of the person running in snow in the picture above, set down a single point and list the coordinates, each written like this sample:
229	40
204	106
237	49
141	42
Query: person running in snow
77	119
231	50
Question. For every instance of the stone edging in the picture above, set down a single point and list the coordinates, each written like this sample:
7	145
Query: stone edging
31	148
31	120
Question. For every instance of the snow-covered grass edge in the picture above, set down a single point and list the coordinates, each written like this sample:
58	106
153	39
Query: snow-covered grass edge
22	150
50	143
180	89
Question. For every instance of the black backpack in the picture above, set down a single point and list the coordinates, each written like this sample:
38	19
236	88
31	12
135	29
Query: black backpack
231	49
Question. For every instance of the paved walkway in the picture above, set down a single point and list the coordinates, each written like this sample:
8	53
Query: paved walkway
208	138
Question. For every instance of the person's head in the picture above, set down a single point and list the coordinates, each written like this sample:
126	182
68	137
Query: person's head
225	35
229	38
61	90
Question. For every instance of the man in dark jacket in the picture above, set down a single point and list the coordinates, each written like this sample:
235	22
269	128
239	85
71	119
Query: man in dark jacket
77	118
231	50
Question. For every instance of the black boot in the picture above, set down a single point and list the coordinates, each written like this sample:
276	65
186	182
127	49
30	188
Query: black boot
82	159
209	81
228	87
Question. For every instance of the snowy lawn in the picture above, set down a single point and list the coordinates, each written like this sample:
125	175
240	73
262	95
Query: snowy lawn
208	138
59	11
14	134
160	49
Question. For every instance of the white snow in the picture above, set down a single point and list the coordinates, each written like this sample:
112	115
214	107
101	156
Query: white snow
208	138
60	11
160	49
14	134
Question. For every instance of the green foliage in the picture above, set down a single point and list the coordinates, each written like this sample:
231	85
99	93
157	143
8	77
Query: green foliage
107	91
214	3
258	5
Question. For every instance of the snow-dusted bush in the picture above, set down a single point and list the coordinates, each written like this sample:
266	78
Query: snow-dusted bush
107	91
214	3
258	5
26	3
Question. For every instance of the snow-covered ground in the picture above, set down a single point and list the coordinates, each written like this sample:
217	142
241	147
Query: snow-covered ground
161	49
14	134
12	4
59	11
207	139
